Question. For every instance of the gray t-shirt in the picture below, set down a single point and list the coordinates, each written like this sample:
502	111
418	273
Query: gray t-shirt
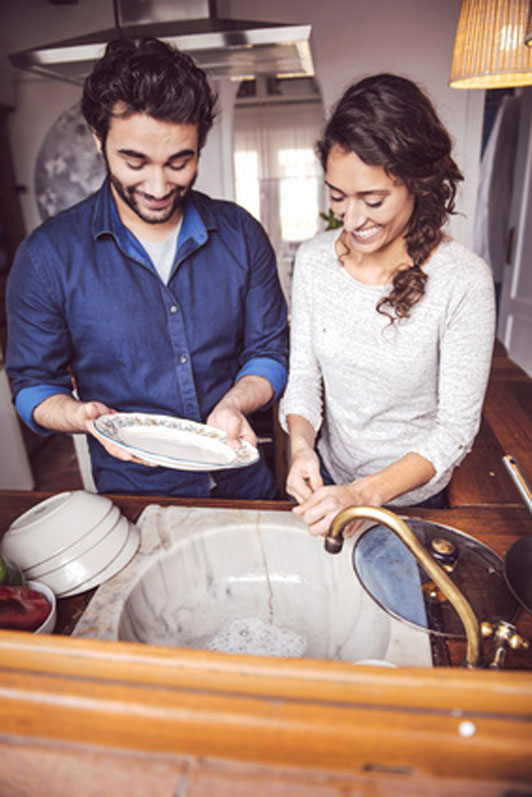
162	253
377	391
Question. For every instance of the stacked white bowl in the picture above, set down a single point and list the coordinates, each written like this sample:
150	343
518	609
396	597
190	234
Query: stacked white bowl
71	542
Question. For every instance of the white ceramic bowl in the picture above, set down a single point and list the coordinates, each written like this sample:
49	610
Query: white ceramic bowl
52	525
78	548
119	562
48	625
84	567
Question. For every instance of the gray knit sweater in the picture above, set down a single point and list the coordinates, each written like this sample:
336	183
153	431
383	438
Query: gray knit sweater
377	391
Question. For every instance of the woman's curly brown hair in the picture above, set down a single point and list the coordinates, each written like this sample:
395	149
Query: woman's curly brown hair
388	121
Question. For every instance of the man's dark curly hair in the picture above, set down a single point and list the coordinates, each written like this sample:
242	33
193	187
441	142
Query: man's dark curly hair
147	76
388	121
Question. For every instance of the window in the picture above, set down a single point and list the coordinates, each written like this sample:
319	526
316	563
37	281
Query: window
247	181
299	189
277	174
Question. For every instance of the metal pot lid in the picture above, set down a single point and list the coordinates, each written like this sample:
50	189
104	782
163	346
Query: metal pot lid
391	575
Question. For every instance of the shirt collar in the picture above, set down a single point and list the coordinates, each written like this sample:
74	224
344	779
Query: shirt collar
193	230
197	219
101	217
106	221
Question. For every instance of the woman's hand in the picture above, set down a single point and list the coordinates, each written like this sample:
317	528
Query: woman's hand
319	510
304	475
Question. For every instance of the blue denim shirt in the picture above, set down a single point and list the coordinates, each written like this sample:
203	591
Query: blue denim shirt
84	300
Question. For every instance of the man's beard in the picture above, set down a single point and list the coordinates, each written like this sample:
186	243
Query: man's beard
151	217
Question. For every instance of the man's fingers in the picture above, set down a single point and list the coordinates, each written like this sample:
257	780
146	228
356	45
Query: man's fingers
117	452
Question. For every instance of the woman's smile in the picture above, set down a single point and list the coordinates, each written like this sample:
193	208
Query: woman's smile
366	234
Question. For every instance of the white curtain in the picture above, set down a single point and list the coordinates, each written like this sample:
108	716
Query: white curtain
277	175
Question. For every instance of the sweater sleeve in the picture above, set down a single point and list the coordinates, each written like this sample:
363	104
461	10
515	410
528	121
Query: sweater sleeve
466	346
303	395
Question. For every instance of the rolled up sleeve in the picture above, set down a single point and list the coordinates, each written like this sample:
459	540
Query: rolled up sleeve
265	351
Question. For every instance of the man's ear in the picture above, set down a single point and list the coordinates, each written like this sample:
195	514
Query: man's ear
98	141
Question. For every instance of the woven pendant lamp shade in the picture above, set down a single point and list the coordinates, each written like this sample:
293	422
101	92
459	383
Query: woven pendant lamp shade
490	50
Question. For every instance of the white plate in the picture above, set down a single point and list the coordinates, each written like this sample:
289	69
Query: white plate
173	442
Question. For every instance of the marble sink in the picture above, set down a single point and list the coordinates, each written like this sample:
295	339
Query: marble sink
246	581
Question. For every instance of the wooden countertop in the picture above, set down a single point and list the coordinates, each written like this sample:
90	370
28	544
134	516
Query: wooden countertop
497	526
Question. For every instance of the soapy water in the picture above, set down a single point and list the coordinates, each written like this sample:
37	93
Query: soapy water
252	636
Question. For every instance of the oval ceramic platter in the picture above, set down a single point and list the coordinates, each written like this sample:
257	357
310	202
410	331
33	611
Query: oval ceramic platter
173	442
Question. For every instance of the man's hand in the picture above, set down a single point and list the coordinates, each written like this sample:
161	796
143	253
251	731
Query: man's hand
62	413
92	410
227	417
248	394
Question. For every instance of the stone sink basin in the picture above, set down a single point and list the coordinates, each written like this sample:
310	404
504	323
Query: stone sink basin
246	581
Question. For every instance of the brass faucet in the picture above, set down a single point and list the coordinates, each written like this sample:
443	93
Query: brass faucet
334	541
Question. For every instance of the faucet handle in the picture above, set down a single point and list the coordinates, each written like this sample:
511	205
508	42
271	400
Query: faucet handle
505	636
503	630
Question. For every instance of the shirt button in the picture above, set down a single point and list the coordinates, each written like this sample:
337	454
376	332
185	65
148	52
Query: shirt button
174	309
183	359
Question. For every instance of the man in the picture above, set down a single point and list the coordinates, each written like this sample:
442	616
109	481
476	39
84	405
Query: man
148	296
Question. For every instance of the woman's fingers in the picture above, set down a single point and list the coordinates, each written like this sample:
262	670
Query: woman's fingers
299	488
319	509
303	477
300	480
316	510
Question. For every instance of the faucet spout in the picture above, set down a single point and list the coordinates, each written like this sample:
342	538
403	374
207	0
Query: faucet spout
334	542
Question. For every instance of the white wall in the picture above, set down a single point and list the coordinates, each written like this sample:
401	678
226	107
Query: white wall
30	23
38	102
351	38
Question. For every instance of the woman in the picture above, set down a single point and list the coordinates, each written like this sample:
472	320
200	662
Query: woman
392	320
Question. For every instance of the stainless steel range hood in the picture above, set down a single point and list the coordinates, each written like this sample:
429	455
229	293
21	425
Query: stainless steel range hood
222	47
